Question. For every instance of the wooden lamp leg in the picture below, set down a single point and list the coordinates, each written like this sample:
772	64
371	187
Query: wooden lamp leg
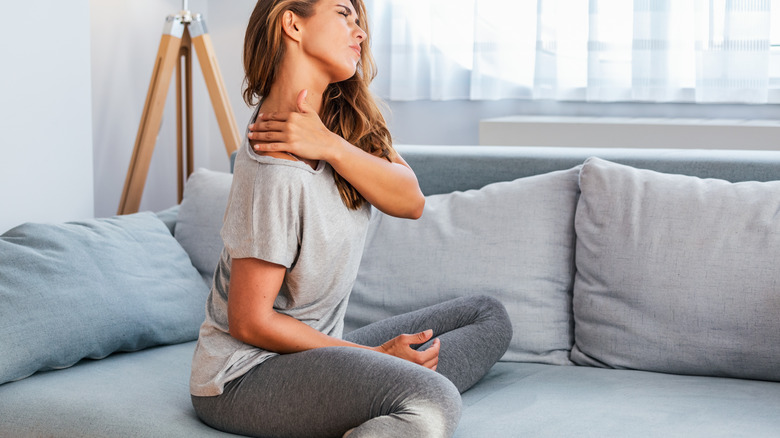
184	137
167	57
207	58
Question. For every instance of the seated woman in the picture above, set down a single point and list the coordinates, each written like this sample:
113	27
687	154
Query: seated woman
270	358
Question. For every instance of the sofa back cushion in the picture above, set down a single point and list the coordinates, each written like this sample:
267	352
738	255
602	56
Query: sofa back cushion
200	219
87	289
512	240
677	274
448	168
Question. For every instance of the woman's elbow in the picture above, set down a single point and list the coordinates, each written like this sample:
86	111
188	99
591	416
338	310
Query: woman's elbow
417	212
405	207
415	208
239	331
246	330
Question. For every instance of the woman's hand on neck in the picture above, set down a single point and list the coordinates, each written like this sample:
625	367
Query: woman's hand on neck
299	133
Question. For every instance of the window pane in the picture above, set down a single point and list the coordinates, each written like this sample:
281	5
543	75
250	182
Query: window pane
505	46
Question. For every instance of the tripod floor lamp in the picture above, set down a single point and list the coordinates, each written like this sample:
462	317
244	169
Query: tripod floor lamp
181	34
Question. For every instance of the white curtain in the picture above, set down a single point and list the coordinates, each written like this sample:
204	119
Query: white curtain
593	50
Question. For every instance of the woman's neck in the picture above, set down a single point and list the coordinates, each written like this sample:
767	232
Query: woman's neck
292	78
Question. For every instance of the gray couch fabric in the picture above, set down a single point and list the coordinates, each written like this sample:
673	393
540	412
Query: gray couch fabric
693	285
513	240
513	400
140	394
535	400
199	219
442	169
89	288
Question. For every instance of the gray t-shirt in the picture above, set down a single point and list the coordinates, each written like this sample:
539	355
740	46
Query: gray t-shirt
286	213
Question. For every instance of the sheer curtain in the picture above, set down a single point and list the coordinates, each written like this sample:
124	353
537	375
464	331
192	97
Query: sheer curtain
593	50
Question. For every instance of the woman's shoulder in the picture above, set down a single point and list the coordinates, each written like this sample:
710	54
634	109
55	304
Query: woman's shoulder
264	173
277	161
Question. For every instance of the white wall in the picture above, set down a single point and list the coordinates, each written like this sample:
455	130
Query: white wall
45	112
226	23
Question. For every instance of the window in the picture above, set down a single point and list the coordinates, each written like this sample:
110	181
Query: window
593	50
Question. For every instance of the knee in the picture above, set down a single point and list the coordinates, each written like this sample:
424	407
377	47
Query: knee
443	390
437	405
489	304
494	310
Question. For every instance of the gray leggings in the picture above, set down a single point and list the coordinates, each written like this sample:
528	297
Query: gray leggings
327	391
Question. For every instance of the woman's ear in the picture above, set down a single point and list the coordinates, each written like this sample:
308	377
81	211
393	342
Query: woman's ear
291	25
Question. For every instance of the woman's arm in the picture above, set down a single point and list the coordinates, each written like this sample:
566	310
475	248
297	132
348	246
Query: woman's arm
390	186
254	285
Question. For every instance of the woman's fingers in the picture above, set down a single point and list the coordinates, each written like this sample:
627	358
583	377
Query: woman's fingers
269	125
401	346
273	131
279	116
303	105
430	358
269	147
418	338
268	136
299	133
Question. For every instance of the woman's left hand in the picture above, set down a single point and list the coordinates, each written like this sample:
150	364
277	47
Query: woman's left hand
299	133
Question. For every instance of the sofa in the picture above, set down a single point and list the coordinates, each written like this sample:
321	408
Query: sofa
642	285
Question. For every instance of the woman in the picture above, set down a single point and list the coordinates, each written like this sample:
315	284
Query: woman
270	359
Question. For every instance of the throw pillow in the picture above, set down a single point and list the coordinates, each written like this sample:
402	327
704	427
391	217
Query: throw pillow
87	289
513	240
677	274
200	219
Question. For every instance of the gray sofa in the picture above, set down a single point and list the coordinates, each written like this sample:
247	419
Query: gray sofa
644	302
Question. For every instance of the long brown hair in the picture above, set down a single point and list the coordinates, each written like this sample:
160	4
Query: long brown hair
349	109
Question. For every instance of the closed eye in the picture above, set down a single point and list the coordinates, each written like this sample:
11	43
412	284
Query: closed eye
347	12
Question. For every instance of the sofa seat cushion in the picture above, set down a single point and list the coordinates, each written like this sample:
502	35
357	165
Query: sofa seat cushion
144	393
87	289
512	240
677	274
537	400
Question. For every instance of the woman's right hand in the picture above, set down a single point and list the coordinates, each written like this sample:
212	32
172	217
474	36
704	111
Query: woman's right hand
401	346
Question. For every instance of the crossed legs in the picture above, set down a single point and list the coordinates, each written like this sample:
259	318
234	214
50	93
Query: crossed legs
328	391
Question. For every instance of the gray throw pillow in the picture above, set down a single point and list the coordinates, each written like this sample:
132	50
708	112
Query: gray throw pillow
677	274
87	289
199	220
512	240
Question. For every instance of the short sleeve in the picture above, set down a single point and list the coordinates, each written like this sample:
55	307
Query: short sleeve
263	215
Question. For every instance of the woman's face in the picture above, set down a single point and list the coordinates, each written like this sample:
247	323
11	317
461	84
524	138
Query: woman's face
332	36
